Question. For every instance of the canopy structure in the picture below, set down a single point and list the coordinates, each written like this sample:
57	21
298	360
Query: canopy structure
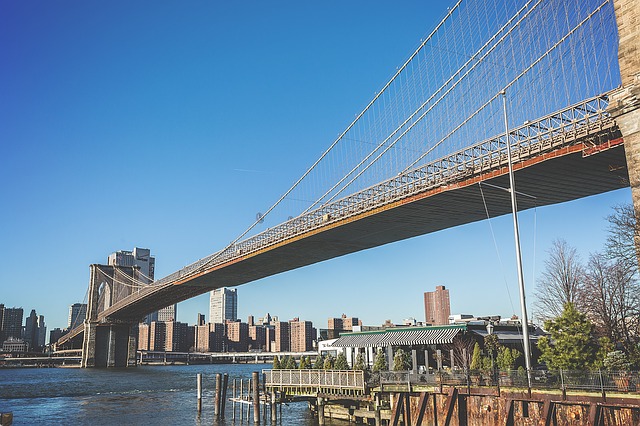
400	337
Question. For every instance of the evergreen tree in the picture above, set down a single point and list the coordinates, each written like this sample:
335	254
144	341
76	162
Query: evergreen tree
305	364
573	344
360	364
290	363
341	362
507	358
401	361
319	364
476	358
276	363
328	362
617	361
380	362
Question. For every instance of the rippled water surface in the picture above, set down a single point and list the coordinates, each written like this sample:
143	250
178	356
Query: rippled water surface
133	396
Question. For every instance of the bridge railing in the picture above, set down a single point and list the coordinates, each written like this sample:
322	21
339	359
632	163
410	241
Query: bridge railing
320	379
532	138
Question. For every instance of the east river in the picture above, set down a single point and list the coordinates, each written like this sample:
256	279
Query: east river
134	396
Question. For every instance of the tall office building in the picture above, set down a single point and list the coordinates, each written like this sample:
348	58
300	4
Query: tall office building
12	323
436	306
223	305
77	314
142	258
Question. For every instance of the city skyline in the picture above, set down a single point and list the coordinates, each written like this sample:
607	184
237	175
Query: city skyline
171	118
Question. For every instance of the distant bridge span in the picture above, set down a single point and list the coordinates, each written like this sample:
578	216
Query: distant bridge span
573	153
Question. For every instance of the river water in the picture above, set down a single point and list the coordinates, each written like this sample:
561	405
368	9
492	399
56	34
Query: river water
145	395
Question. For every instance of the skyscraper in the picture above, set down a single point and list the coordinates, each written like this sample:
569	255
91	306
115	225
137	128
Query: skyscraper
436	306
142	258
223	305
77	314
12	323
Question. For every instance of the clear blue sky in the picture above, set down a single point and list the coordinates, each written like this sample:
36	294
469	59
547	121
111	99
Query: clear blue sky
168	125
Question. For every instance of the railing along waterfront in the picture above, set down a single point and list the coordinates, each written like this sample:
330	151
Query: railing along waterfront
321	380
564	380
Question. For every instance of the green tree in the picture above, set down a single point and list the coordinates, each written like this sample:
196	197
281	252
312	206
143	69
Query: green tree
360	364
507	357
341	362
476	358
328	362
305	363
276	363
401	361
617	361
290	363
573	344
380	362
319	364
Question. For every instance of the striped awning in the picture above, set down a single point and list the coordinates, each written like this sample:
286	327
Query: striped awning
400	337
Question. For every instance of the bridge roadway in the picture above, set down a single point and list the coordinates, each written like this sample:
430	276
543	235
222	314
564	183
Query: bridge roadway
573	153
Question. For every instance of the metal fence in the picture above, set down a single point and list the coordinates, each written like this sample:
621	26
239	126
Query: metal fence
595	381
325	379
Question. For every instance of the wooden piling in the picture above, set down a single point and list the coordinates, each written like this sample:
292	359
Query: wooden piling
320	411
233	400
256	397
274	408
217	396
199	390
241	399
223	396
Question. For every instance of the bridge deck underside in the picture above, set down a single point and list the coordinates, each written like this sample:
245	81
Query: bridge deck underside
565	176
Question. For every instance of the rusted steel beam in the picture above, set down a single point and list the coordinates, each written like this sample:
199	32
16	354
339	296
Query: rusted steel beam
595	414
422	408
548	412
509	408
407	409
451	400
397	410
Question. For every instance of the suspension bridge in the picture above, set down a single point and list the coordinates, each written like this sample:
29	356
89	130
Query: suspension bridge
430	152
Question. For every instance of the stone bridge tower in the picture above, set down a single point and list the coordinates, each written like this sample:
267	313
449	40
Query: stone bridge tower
108	344
624	104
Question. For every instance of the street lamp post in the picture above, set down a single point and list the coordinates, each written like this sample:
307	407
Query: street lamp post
489	333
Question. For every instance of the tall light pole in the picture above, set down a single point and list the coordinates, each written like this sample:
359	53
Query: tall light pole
514	209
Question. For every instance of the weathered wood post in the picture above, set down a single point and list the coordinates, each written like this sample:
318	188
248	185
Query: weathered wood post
320	411
216	402
274	408
223	396
256	397
241	399
199	391
233	400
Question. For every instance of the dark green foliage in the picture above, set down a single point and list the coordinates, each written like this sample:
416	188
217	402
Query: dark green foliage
380	363
401	361
328	362
360	363
276	363
617	361
476	358
305	363
341	362
319	364
573	344
507	357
